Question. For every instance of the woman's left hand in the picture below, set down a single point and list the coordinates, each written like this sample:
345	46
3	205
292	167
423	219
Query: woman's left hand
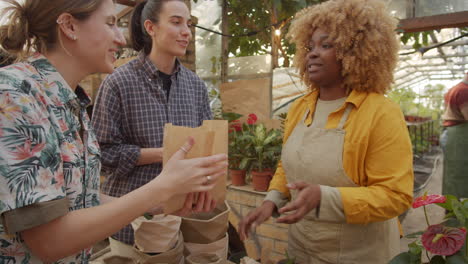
204	203
307	199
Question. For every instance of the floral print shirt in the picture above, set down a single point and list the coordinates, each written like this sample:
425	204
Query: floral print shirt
47	150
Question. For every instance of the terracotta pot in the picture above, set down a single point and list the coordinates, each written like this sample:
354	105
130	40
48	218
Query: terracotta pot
261	180
237	177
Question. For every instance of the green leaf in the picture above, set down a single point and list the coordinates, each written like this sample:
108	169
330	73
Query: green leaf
448	203
437	260
402	258
260	132
244	163
414	235
230	116
425	38
459	211
455	259
271	136
415	248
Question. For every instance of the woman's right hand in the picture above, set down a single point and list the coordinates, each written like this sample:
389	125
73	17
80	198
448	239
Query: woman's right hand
181	176
255	218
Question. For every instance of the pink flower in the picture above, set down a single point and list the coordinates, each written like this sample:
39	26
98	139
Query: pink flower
25	151
428	199
442	240
8	108
252	119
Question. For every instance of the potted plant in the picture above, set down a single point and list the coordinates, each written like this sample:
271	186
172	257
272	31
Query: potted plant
445	242
238	163
264	150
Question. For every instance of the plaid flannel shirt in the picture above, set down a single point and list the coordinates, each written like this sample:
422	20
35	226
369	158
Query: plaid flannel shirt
130	112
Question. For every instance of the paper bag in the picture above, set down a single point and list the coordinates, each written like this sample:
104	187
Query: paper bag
218	248
172	256
203	258
207	227
159	234
211	138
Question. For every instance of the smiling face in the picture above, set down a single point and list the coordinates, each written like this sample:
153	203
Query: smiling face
171	34
323	67
98	39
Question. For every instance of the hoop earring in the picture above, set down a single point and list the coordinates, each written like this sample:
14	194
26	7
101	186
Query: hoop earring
63	46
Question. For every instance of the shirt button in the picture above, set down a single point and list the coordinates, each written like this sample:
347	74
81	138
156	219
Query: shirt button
149	79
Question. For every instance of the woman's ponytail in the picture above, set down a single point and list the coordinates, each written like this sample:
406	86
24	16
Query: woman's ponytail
138	37
31	25
15	36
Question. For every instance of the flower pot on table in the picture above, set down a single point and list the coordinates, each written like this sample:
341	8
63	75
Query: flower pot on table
237	177
261	180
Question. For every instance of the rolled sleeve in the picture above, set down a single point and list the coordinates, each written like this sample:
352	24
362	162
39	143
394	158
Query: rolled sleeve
30	164
33	215
278	198
331	205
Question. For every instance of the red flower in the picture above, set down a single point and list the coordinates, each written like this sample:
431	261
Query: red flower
235	126
442	240
252	119
428	199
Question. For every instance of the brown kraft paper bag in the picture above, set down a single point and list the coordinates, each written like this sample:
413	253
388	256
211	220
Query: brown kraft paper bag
211	138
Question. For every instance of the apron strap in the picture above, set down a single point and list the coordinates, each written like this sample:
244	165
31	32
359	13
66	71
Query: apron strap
345	116
307	112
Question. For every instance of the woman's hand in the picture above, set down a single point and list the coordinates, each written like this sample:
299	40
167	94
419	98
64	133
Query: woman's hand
307	199
181	176
204	203
255	218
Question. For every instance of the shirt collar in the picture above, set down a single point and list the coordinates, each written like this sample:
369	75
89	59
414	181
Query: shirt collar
151	69
54	82
356	98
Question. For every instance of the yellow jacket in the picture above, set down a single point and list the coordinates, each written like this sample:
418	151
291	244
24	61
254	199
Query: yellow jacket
377	155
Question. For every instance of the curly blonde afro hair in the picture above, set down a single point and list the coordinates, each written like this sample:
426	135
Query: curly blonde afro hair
364	37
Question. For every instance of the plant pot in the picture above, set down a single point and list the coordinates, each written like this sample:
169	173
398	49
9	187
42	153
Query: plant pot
261	180
237	177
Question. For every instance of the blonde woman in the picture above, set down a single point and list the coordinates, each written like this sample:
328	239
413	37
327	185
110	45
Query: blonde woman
346	164
49	163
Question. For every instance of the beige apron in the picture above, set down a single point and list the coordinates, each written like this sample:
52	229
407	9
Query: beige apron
314	155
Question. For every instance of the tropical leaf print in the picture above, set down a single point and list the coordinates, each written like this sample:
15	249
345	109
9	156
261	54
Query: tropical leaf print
42	153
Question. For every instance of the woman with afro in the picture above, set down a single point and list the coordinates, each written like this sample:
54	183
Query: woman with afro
346	166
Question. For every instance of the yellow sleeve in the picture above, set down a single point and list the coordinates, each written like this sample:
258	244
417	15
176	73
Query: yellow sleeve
389	172
279	181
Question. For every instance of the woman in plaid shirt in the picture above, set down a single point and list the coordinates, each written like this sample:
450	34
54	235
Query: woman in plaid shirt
139	98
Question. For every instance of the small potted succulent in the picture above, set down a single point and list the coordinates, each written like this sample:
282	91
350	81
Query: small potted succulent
443	243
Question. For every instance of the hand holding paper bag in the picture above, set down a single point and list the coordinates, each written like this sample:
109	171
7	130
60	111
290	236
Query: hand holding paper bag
181	176
211	138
